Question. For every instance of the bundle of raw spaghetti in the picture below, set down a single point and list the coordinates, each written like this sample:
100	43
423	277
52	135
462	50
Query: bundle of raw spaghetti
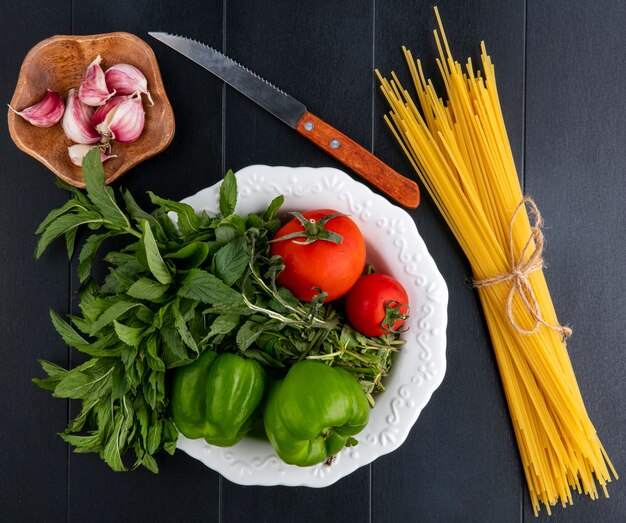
461	152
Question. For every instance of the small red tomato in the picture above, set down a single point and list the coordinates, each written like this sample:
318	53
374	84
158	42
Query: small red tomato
377	304
321	248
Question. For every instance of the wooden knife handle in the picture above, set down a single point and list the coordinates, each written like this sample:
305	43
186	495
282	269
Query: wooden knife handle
351	154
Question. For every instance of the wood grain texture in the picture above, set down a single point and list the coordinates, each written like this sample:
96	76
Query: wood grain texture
356	158
58	64
560	76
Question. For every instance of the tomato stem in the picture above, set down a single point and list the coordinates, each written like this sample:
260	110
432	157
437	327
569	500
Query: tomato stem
393	313
313	230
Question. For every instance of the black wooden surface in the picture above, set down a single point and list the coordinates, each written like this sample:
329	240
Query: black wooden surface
560	67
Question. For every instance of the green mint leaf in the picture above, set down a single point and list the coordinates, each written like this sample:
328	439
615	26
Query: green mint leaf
174	352
228	194
231	261
113	449
162	316
69	205
121	278
67	332
52	369
92	309
263	358
70	242
77	424
114	311
222	324
144	315
143	417
248	334
147	289
129	335
273	208
168	227
203	286
62	225
187	220
128	356
155	262
115	283
183	330
148	390
119	258
50	383
229	228
106	346
152	349
137	214
83	444
190	256
170	436
111	313
119	384
89	383
104	415
154	437
100	195
87	253
150	463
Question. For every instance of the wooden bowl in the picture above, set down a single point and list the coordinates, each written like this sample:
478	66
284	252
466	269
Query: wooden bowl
59	63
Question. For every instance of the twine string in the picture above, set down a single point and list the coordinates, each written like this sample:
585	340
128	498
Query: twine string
521	269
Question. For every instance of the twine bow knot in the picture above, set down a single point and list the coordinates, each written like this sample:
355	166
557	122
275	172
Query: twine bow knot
521	269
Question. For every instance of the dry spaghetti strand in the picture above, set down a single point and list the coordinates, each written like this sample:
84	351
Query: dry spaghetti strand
461	152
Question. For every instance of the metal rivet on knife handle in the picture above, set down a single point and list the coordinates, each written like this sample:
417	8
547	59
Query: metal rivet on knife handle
351	154
294	114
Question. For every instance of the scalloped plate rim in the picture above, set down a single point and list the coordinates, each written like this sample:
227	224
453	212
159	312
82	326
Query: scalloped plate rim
253	462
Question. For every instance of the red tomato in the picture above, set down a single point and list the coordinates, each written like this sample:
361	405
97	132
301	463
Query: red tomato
369	301
333	267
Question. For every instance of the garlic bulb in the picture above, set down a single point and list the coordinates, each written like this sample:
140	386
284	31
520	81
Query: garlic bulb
93	89
124	123
44	113
127	79
79	151
77	123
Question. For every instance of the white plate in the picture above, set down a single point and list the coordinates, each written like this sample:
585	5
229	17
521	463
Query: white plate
394	247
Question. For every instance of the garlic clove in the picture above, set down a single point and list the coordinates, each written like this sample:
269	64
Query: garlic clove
103	110
127	79
77	123
93	89
124	122
79	151
44	113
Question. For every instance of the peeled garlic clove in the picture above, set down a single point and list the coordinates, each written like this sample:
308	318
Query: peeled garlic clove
125	122
77	123
44	113
93	89
127	79
103	110
79	151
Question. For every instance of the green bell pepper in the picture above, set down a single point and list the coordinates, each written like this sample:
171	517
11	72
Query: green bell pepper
217	397
311	413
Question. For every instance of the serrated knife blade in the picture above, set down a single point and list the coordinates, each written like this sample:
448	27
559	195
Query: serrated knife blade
294	113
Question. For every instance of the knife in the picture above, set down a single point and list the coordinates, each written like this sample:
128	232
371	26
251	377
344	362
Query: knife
295	115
